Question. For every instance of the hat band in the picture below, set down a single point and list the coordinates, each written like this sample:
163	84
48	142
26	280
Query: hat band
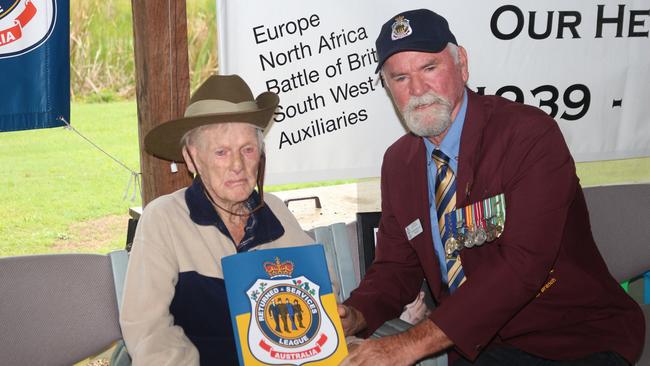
213	106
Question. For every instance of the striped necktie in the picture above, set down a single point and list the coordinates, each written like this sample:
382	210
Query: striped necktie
446	202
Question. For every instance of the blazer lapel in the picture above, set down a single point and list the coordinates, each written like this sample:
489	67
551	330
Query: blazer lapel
470	146
418	196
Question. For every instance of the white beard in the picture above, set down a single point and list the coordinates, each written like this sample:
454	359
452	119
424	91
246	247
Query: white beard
430	121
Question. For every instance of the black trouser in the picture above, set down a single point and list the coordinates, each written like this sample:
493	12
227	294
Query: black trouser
506	356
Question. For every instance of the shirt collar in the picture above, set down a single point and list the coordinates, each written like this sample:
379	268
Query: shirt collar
262	225
450	145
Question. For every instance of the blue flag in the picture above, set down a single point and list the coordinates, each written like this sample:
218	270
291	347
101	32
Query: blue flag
34	64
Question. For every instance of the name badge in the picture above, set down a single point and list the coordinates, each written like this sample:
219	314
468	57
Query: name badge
414	229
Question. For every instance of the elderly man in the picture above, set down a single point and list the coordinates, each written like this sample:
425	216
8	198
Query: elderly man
175	310
481	198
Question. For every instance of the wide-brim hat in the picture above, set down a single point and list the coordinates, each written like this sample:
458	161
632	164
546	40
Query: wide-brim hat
220	99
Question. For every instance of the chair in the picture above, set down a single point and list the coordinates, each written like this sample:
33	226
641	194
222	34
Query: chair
620	226
336	240
367	224
59	309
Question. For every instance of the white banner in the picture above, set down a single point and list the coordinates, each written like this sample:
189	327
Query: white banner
587	64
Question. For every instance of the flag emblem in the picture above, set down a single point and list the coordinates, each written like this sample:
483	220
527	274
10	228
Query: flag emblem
25	25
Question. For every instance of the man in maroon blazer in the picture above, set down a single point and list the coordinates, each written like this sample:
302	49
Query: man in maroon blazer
539	292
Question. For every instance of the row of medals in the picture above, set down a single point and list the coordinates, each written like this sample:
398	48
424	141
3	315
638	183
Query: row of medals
475	224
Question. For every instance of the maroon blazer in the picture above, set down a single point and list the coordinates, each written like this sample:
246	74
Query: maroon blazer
517	150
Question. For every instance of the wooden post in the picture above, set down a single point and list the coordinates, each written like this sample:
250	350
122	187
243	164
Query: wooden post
162	84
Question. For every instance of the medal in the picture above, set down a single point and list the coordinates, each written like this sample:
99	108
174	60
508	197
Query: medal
460	229
461	240
477	223
471	233
495	209
498	229
500	209
470	239
481	236
490	232
451	244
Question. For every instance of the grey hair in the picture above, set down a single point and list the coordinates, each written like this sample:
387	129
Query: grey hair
260	139
190	137
453	49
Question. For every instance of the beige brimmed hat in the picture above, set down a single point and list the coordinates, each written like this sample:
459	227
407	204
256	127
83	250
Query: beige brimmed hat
220	99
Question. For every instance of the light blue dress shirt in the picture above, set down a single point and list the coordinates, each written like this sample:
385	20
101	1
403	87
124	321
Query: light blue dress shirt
450	145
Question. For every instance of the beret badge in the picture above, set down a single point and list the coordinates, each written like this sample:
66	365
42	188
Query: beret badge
401	28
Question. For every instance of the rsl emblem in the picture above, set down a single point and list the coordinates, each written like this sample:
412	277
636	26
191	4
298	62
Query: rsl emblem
25	25
288	325
401	28
6	6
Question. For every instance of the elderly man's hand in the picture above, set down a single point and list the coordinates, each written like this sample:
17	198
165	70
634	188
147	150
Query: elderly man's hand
376	352
404	348
351	319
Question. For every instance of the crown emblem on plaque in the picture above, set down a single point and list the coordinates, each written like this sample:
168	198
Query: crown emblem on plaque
277	269
401	28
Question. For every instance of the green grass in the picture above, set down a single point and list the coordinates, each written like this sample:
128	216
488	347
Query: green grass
54	178
614	171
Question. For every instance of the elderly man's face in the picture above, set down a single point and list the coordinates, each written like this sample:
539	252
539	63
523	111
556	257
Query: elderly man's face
427	88
227	157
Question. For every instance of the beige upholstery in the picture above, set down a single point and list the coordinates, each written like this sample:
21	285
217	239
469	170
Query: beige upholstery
56	309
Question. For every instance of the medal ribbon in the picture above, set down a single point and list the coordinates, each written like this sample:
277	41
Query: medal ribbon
460	223
502	197
500	207
487	208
